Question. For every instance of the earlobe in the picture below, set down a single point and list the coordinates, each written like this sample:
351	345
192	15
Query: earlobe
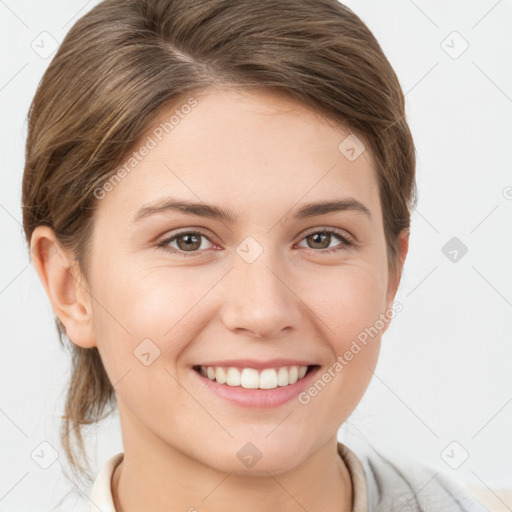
65	286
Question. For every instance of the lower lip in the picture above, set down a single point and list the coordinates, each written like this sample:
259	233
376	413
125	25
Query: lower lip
258	398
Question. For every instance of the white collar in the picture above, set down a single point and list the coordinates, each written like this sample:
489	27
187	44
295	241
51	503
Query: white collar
101	493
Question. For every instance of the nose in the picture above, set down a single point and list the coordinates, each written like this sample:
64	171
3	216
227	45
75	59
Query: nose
260	300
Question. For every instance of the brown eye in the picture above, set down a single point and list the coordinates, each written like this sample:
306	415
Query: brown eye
321	240
188	241
185	242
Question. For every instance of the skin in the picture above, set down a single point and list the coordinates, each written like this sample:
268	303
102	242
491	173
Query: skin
261	156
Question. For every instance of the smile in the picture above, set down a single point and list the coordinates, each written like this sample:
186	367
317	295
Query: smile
250	378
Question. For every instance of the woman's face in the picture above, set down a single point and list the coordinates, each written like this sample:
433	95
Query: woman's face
256	290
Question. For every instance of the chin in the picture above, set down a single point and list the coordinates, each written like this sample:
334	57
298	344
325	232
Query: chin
260	457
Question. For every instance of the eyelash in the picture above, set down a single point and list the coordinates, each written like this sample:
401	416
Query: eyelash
346	242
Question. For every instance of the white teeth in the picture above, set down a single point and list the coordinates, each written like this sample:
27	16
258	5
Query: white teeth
233	377
220	375
249	378
268	379
282	376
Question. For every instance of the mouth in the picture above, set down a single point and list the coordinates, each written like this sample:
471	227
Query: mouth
251	378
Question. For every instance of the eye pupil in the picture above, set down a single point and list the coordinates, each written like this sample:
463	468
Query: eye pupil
320	235
189	245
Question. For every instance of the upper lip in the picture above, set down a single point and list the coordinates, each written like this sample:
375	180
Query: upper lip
258	365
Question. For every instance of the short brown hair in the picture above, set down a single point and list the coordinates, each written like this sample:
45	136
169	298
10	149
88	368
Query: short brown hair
126	60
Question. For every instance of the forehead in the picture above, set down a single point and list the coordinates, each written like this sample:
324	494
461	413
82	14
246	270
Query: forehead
243	147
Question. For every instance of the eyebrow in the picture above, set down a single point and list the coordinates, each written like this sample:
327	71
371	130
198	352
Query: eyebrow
214	212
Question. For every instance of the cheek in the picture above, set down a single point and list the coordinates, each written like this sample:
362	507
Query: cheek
143	324
349	304
347	300
159	309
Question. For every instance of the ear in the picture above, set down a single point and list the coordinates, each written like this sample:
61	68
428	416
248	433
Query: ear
394	280
65	286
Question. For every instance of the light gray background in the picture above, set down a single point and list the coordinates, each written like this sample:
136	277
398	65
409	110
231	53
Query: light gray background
444	371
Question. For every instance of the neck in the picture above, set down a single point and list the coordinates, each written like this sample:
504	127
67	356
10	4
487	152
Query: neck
329	490
158	477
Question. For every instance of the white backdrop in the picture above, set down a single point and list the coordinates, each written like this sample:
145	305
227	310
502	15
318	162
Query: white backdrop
442	390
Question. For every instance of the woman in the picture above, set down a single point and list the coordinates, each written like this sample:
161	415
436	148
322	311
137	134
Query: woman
217	198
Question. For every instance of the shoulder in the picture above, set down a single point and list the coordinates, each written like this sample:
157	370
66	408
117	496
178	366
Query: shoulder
406	485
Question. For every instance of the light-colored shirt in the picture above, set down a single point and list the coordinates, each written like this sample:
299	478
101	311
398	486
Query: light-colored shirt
378	485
